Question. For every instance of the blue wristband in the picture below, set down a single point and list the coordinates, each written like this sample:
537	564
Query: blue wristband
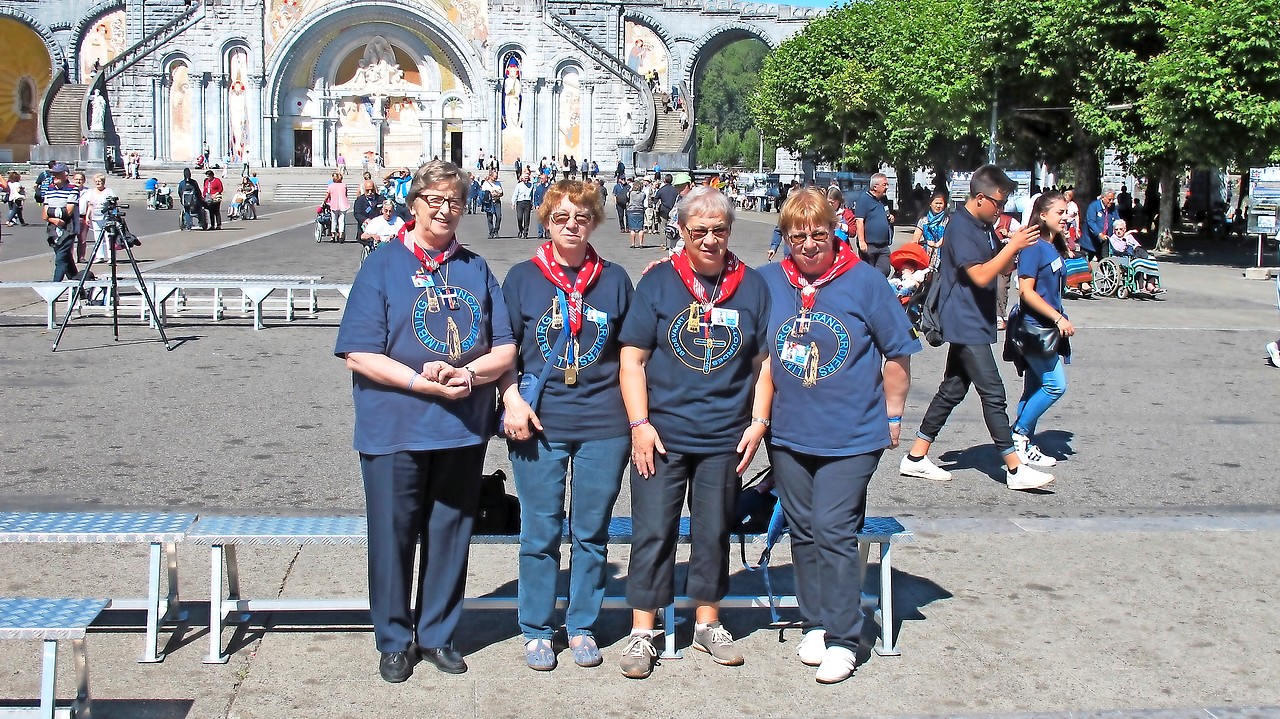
895	420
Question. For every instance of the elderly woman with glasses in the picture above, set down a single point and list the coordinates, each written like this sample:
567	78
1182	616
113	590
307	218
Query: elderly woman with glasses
693	348
565	416
841	348
426	335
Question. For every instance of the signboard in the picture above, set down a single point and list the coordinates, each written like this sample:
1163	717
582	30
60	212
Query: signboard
1264	199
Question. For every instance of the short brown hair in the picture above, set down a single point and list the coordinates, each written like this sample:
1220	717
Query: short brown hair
435	173
806	207
583	194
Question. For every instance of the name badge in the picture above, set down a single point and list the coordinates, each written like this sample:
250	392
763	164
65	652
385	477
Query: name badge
795	353
724	318
421	280
1056	264
598	317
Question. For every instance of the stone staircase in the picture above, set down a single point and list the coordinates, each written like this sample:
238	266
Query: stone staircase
614	65
64	122
670	137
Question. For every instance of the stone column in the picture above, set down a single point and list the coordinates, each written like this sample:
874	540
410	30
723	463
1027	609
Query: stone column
220	142
588	115
556	87
202	83
258	138
157	114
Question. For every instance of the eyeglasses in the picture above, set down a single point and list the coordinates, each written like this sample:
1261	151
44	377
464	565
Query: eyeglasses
818	237
580	218
992	200
697	233
435	202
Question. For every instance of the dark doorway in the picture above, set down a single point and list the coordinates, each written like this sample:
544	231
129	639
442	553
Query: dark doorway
302	148
455	148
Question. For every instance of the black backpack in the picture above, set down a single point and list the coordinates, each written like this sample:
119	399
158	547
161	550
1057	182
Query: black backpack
931	313
499	512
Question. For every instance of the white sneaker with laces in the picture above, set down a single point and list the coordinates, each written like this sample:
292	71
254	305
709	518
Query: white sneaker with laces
837	665
813	647
923	469
1273	351
1031	454
1028	477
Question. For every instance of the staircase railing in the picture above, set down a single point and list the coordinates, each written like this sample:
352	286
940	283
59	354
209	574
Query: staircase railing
193	14
613	64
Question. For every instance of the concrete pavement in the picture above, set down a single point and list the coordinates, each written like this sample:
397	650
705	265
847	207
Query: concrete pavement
1142	585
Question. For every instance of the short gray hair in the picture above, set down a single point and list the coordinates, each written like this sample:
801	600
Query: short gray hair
706	202
435	173
878	178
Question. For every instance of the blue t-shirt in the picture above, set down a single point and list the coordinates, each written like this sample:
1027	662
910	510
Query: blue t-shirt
968	311
875	220
699	382
855	324
152	184
592	407
539	192
1042	263
387	314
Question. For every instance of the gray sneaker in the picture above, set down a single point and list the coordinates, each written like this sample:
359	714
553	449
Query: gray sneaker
715	640
638	657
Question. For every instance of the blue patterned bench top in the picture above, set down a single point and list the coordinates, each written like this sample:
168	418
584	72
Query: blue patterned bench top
22	618
123	527
351	531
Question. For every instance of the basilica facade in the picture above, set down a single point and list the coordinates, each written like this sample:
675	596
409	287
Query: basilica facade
324	82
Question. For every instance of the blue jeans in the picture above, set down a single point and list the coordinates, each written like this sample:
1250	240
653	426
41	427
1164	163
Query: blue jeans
1043	383
541	470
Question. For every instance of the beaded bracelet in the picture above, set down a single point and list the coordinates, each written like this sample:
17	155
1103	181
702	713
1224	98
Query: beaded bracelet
638	422
411	381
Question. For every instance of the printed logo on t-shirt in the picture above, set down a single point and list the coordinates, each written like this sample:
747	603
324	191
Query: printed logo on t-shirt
703	346
456	330
798	351
591	339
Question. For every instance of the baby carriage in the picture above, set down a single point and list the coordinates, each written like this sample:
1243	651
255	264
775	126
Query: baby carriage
912	275
324	222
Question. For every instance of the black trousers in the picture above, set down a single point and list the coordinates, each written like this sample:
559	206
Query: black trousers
215	215
427	501
710	483
970	365
825	501
622	216
523	210
878	256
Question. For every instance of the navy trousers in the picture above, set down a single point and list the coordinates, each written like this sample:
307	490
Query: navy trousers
427	501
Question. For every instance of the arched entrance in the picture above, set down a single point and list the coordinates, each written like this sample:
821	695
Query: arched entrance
26	78
367	82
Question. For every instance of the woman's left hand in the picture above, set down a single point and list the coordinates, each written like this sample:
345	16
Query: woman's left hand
1065	327
749	443
895	430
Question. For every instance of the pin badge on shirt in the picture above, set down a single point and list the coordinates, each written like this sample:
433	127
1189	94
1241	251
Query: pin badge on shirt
724	318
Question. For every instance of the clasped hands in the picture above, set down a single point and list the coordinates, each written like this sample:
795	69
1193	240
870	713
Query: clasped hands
445	380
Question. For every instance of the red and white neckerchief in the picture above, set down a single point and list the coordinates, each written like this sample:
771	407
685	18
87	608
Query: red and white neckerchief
405	236
591	269
733	273
846	258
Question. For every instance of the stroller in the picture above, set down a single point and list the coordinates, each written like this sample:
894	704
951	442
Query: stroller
913	273
324	222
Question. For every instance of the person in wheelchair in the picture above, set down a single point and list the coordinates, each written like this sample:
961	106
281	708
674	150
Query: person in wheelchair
382	228
1125	248
324	221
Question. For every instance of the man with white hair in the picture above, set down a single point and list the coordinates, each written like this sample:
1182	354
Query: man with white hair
874	224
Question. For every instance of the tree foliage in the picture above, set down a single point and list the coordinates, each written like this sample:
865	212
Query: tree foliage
726	133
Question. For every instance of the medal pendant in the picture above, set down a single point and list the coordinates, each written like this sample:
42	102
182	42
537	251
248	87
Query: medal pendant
433	301
695	314
811	366
571	374
802	324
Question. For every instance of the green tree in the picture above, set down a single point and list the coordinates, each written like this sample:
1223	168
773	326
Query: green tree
722	115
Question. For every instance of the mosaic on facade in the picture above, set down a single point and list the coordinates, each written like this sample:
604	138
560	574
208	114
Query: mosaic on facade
102	43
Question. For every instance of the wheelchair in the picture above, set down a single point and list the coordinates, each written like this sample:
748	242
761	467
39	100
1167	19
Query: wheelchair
1122	277
324	224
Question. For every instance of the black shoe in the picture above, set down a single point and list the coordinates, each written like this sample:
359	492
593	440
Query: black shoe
396	667
446	659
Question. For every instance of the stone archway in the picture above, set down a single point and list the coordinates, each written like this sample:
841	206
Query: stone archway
28	76
705	47
368	71
100	35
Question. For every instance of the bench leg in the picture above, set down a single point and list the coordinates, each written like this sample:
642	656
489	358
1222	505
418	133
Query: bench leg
150	651
887	646
669	650
48	679
216	612
173	612
82	707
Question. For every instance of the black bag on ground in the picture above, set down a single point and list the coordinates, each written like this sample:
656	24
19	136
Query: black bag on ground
499	512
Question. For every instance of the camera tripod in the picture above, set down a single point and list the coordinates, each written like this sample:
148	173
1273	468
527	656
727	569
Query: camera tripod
114	232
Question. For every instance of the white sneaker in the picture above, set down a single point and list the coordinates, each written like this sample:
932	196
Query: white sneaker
1273	351
1028	477
813	647
923	469
1031	454
838	664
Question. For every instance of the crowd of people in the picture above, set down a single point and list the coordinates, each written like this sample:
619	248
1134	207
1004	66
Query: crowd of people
595	377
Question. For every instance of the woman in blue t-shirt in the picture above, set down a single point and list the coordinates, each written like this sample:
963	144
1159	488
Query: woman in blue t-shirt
566	307
426	335
693	349
841	349
1040	281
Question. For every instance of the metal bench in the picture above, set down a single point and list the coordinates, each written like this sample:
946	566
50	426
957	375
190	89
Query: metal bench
223	533
162	531
196	278
254	294
52	620
52	292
